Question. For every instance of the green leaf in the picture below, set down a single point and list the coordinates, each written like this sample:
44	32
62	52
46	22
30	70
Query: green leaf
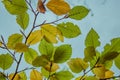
2	76
40	61
89	53
62	53
92	39
30	55
15	7
117	61
23	76
23	20
77	65
46	48
13	40
91	78
78	12
69	30
6	61
64	75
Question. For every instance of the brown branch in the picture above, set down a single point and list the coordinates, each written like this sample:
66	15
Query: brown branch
26	69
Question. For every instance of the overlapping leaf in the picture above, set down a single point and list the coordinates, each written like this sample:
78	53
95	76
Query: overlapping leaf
58	7
69	30
30	55
23	20
13	40
2	76
117	61
6	61
23	76
77	65
35	37
62	53
78	12
35	75
17	77
15	7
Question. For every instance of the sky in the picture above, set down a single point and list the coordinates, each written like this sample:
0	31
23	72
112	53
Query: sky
104	17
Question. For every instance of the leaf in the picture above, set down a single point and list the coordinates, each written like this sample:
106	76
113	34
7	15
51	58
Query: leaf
51	67
91	78
6	61
15	7
13	40
92	39
50	33
109	74
30	55
78	12
20	47
60	35
89	53
35	37
117	61
69	30
23	20
77	65
46	48
22	76
17	77
40	61
35	75
62	53
2	76
58	7
0	43
41	7
64	75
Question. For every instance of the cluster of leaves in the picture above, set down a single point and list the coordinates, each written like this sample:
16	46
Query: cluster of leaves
48	56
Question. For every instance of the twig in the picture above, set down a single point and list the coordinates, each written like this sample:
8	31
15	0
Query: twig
26	69
23	33
50	70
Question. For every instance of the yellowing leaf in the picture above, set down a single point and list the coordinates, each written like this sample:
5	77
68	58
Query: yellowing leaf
41	7
52	67
35	37
58	7
60	35
17	77
50	33
109	74
0	44
13	40
20	47
77	65
35	75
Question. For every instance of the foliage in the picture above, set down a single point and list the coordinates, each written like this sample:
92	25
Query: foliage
49	55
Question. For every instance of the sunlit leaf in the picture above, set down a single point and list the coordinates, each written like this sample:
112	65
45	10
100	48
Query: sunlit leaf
109	74
77	65
23	76
50	33
23	20
92	39
64	75
17	77
30	55
40	61
69	30
15	7
20	47
6	61
78	12
58	7
89	53
51	67
117	61
35	75
62	53
60	35
35	37
13	40
2	76
0	43
41	7
91	78
46	48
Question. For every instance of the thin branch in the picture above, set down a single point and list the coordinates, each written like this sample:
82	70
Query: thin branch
26	69
50	70
23	33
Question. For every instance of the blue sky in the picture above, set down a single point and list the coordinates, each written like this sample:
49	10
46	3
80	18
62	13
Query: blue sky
105	20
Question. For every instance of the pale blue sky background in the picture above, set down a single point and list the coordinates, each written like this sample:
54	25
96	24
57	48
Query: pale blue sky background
105	20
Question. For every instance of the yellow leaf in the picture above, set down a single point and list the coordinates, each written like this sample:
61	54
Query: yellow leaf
109	74
20	47
17	77
35	37
50	33
58	7
35	75
60	36
0	43
53	68
41	7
